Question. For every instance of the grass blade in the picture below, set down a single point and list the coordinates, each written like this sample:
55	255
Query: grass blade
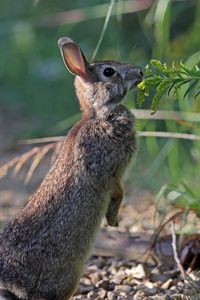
112	2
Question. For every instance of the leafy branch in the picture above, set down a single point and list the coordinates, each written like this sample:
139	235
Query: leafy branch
161	79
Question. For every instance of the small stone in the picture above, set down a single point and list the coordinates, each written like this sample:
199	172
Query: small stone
134	282
139	295
180	283
118	288
85	281
140	287
119	277
137	272
160	297
112	270
111	296
92	295
95	277
128	281
127	288
156	276
91	269
84	289
103	284
79	297
104	273
124	288
150	291
181	287
102	293
177	297
149	284
167	284
123	295
134	229
111	286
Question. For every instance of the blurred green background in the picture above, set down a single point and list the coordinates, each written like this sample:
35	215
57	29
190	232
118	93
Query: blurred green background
35	82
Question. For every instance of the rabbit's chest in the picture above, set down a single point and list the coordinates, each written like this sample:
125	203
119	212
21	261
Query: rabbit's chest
106	150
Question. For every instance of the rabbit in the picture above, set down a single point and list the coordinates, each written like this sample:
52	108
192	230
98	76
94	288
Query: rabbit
44	249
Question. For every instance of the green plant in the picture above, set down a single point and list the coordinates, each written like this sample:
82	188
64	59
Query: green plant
161	79
180	196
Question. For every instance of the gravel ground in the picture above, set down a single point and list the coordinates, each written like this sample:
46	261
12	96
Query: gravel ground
119	278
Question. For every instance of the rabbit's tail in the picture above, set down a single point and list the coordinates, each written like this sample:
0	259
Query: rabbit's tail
7	295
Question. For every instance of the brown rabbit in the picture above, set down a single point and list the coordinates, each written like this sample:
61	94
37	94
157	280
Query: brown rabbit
43	250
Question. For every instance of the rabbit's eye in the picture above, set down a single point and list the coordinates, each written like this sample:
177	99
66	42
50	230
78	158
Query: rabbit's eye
108	72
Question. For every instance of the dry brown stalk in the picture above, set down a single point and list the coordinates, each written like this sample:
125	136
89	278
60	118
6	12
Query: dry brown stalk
37	159
19	159
157	233
18	162
56	150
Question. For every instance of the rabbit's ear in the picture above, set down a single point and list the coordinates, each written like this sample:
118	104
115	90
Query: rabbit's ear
73	57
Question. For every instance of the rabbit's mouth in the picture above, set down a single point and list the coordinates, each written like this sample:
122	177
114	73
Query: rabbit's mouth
133	83
135	78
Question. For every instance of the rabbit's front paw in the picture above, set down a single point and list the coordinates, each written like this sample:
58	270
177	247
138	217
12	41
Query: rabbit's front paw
112	220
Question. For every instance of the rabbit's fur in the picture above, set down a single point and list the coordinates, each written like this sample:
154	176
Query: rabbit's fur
43	250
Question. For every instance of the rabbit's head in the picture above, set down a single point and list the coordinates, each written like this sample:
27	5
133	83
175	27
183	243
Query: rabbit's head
101	85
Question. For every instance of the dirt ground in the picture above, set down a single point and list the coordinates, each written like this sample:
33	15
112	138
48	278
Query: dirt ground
109	274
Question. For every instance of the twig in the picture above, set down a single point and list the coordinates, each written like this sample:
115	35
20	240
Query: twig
176	258
158	231
49	139
174	135
56	152
166	115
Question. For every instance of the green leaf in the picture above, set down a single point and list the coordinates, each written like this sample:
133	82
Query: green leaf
197	94
190	88
189	191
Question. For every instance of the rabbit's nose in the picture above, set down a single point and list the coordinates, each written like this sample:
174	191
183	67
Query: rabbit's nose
140	73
